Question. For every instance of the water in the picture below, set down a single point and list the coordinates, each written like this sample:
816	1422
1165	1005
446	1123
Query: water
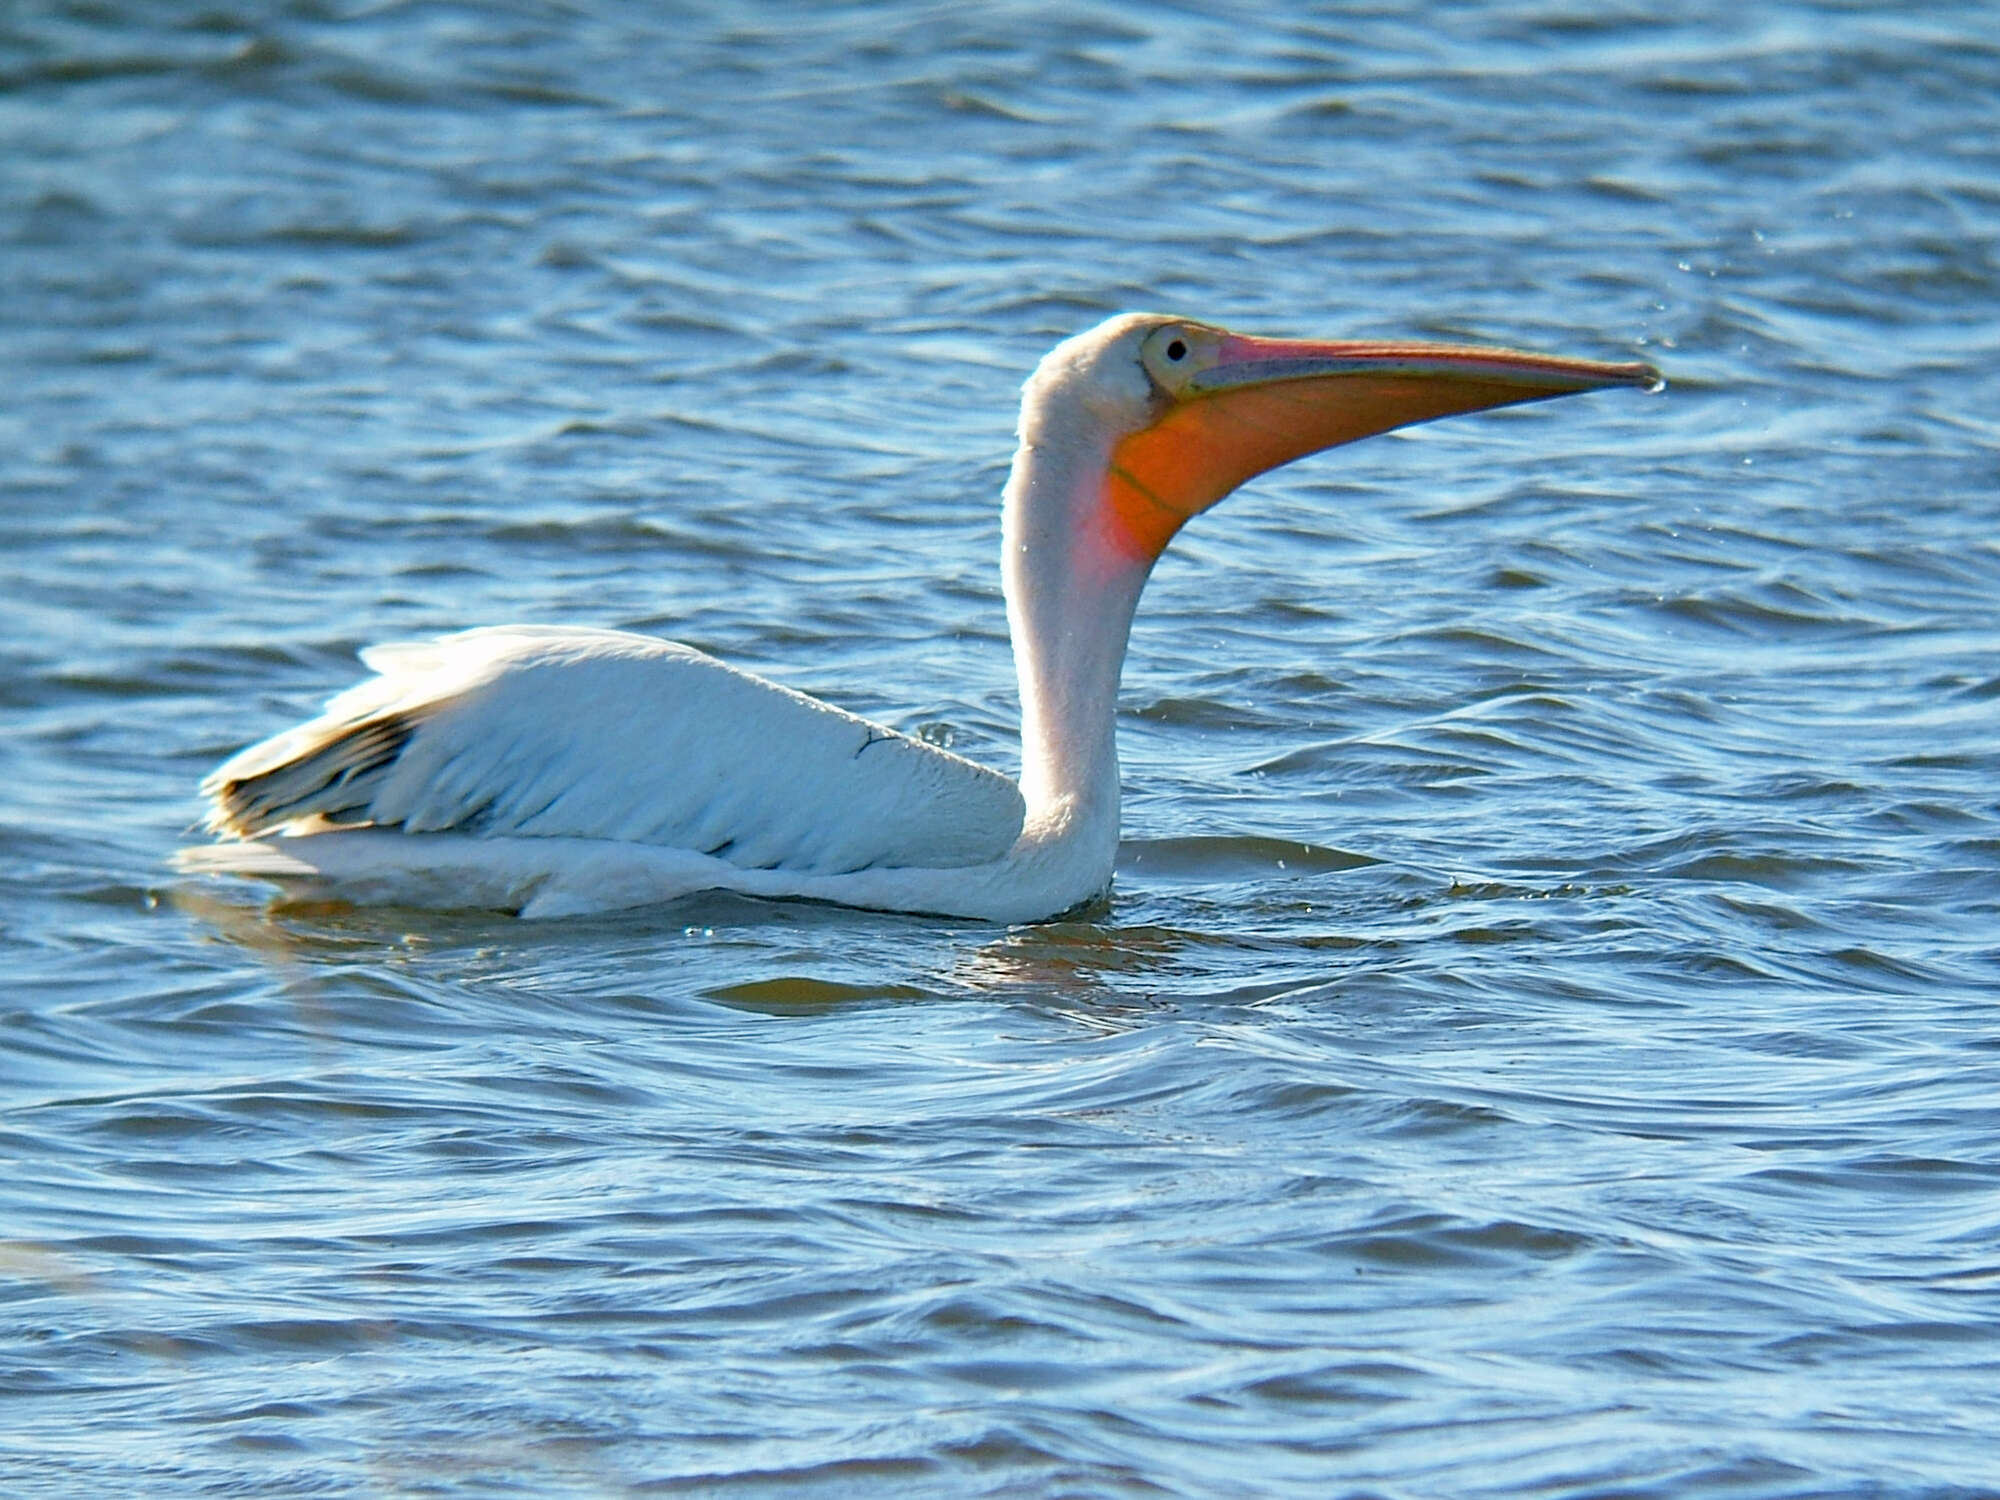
1543	1041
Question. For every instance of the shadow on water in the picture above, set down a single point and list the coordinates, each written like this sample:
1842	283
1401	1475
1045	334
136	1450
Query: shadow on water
797	937
805	958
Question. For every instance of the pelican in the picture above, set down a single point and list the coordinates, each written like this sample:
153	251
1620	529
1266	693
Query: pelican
551	771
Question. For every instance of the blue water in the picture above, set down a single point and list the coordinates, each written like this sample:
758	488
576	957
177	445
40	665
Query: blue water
1545	1039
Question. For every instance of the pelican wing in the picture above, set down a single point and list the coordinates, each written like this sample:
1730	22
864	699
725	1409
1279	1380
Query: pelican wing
600	734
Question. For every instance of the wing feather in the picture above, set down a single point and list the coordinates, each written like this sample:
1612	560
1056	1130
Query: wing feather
601	734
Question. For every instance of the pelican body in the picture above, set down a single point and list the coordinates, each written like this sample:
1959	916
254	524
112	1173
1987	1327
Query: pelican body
551	771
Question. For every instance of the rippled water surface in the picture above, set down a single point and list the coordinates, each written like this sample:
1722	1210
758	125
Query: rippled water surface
1544	1037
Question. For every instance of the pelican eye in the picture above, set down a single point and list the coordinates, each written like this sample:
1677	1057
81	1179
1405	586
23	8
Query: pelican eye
1174	355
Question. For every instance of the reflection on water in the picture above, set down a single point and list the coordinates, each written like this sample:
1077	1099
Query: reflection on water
1540	1041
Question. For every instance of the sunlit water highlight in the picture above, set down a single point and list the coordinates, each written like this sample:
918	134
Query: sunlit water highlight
1543	1039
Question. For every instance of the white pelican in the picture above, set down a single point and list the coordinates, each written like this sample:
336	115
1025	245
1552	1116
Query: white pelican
551	771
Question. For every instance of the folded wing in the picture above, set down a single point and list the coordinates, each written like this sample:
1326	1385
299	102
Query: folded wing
568	733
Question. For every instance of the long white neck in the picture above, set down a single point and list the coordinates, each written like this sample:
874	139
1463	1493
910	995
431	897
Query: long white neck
1070	595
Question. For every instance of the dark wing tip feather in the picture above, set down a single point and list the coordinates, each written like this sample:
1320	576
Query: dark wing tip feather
334	776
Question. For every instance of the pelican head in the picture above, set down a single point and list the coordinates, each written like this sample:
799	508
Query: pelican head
1188	411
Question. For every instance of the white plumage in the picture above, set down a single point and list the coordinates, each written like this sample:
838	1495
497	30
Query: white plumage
557	770
524	731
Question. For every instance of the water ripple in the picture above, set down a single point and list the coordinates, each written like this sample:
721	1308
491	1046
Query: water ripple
1540	1042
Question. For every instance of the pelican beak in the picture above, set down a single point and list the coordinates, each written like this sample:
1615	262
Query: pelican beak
1233	407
